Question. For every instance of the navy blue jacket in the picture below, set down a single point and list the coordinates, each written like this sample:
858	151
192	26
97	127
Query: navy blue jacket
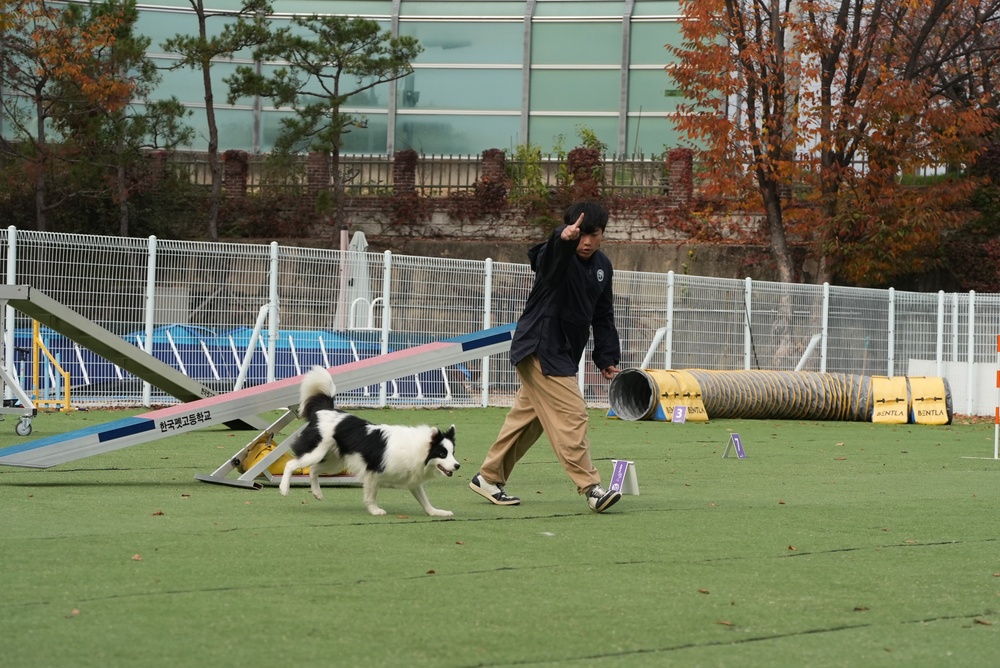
569	297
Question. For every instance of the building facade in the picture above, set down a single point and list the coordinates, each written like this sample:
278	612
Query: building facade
492	74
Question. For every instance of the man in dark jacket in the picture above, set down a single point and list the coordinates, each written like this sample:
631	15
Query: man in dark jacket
571	295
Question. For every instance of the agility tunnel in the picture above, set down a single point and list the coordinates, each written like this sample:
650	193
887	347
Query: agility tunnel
654	394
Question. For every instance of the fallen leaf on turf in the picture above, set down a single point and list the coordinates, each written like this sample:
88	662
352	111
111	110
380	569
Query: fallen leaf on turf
711	504
703	591
996	575
402	517
984	622
185	496
911	542
793	548
723	622
781	502
841	444
157	513
136	557
75	612
459	542
431	572
861	608
840	459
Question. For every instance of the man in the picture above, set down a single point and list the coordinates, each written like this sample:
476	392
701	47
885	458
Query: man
571	295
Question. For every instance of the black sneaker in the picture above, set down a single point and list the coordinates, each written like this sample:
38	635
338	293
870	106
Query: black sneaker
493	493
600	499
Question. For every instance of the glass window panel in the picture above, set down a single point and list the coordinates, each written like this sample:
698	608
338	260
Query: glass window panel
370	139
456	135
367	8
576	43
656	8
575	90
159	26
495	90
562	133
652	90
649	40
376	97
652	135
467	43
306	33
235	129
477	8
186	83
184	4
560	8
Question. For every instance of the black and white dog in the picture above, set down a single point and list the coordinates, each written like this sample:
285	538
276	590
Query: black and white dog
381	455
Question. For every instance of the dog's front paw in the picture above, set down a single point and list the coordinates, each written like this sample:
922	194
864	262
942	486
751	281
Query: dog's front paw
283	488
318	495
436	512
376	511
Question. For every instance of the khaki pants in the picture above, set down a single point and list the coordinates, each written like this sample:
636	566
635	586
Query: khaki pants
552	404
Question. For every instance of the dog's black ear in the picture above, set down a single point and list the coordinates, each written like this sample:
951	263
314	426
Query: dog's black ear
450	433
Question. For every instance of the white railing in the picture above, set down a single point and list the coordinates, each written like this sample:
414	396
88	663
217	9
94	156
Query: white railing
195	305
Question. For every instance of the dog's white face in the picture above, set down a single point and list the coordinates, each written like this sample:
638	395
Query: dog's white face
442	452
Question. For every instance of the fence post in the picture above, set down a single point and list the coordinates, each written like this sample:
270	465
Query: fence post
939	350
669	352
954	327
891	334
272	313
8	332
386	317
970	375
487	323
825	328
747	332
147	389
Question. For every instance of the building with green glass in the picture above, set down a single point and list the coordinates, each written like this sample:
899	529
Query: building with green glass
492	74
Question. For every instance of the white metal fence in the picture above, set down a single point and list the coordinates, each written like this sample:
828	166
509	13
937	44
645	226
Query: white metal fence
195	305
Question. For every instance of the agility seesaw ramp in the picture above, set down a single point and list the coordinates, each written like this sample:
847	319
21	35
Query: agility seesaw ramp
219	409
64	320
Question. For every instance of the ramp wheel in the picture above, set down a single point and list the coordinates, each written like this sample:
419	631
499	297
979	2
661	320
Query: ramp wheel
23	427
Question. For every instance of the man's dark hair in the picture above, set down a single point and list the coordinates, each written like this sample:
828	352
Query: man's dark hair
595	216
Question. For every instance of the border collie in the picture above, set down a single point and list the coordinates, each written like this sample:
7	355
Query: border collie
381	455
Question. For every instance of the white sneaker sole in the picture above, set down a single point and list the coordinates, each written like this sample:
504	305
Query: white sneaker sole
489	497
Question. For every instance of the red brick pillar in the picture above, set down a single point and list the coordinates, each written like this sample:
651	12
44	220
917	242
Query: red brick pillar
157	167
679	177
404	172
492	166
317	174
584	164
235	170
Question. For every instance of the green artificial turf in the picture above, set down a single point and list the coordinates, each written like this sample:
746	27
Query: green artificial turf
831	544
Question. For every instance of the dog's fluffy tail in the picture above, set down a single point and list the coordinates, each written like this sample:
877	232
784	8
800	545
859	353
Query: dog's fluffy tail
316	392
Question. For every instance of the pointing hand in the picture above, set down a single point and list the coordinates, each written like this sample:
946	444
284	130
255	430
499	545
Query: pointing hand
571	232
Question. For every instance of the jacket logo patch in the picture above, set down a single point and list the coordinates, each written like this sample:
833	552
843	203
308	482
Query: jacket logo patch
600	275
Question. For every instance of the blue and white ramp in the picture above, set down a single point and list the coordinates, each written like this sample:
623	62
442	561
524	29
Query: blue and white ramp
220	409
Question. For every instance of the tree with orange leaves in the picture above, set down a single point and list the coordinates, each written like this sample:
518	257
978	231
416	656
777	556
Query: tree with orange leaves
813	109
46	50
